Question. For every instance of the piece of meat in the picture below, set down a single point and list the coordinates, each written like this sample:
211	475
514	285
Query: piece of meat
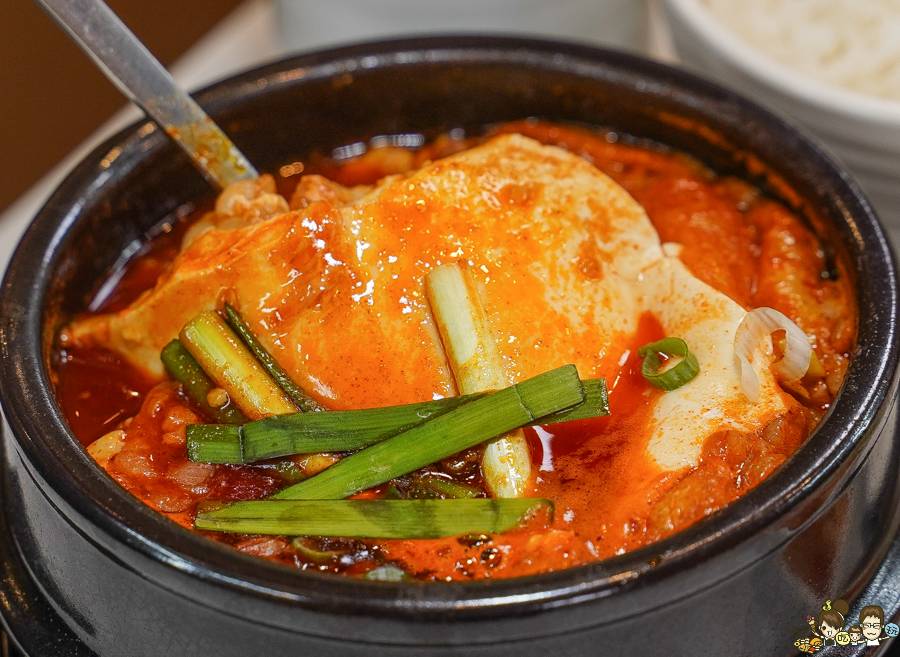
240	204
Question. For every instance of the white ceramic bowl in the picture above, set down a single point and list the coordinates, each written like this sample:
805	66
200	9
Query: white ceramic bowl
305	24
862	131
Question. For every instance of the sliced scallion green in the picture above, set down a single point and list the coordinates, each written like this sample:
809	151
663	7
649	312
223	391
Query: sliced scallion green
227	361
345	431
429	487
596	404
387	572
338	431
182	367
401	519
447	434
677	375
214	443
475	361
301	544
302	399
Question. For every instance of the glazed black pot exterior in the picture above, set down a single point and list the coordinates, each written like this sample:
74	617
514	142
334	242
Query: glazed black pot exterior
127	581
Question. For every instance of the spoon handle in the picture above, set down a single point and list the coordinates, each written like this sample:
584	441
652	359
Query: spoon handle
140	76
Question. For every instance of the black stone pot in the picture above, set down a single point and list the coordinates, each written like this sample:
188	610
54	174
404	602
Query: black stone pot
125	581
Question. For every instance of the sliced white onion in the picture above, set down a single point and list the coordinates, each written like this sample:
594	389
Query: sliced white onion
753	332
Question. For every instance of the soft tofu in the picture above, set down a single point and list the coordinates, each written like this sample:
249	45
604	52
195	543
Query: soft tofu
566	263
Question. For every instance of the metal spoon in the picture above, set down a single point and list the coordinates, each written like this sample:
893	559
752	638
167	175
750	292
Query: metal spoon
140	76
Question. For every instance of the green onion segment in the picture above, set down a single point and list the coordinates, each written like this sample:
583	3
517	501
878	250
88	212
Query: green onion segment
233	367
443	436
432	487
402	519
182	367
302	399
214	443
476	365
387	572
340	431
317	556
677	375
337	431
596	404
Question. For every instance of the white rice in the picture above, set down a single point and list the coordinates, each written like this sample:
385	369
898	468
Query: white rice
850	43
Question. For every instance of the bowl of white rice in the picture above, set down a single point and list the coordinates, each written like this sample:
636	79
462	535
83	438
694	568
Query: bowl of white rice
832	65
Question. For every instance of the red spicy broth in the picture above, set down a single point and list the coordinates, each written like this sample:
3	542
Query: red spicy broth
747	246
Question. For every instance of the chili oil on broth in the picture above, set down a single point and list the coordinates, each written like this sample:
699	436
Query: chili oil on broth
610	495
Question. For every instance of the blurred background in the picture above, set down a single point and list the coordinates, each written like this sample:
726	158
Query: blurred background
53	98
831	65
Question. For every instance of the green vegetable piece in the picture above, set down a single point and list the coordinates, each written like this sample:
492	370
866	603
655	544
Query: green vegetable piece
439	487
477	367
339	431
303	400
230	364
675	376
596	404
387	573
447	434
345	431
402	519
316	556
182	367
214	443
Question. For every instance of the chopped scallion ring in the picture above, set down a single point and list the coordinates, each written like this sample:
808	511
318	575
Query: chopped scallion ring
400	519
387	573
675	376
